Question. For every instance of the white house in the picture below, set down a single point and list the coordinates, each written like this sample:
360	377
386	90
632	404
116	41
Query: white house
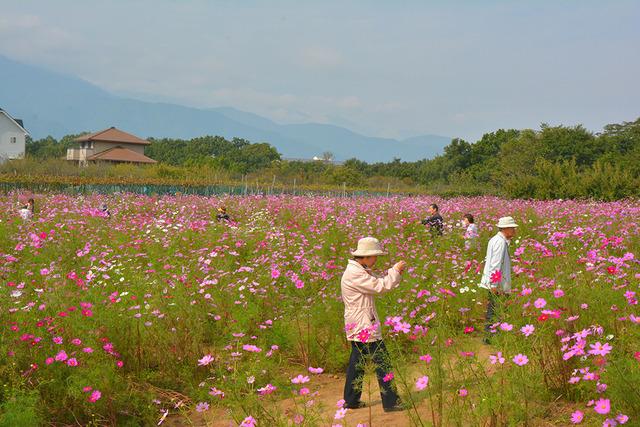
12	137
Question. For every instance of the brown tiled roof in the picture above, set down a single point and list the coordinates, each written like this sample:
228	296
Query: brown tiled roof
119	154
112	135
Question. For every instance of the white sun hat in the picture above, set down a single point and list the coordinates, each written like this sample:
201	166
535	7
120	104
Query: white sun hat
368	246
506	222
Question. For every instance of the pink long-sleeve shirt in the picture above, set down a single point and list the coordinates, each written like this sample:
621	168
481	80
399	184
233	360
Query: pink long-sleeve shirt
359	287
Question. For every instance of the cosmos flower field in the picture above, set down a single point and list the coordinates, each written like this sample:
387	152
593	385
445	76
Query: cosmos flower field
162	315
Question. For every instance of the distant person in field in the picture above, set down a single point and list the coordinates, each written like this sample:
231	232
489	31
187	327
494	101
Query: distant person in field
105	210
362	324
470	232
496	277
27	211
223	215
434	221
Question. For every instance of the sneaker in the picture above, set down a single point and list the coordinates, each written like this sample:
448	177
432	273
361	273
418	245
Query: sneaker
358	405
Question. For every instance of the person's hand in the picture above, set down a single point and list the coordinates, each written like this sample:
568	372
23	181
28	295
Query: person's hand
400	266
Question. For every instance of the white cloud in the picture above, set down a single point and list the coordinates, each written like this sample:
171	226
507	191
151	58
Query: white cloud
28	37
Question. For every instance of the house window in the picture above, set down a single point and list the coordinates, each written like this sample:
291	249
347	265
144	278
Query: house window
13	139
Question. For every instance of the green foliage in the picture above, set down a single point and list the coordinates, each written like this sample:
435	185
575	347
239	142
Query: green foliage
21	410
553	162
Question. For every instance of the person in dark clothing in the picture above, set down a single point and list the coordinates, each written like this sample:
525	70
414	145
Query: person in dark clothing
434	221
223	215
105	210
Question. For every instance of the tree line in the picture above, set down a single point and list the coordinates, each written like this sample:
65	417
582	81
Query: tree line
548	163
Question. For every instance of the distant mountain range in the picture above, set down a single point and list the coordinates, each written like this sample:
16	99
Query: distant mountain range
55	104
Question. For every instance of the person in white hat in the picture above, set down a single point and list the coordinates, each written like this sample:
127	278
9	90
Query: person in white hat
362	324
496	277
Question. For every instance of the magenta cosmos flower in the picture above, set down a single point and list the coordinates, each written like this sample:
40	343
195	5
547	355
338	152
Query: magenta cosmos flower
577	417
602	406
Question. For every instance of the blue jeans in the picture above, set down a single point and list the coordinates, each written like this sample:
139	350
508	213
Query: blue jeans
377	352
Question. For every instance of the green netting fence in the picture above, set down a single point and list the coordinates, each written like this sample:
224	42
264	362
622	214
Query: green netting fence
201	190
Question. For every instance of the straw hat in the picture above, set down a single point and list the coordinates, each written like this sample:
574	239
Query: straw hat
506	222
368	246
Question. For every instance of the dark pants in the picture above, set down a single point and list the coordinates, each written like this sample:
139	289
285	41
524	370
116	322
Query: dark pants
377	352
495	303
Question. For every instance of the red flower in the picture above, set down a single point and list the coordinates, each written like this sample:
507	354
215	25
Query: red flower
469	329
543	317
496	277
612	269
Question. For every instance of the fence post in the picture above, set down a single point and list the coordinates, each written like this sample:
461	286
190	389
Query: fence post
344	189
388	188
294	186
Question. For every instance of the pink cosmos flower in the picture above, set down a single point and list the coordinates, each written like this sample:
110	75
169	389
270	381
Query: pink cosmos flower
340	413
202	407
340	403
422	383
599	349
72	362
602	406
558	293
577	417
520	359
527	330
61	356
57	340
388	377
364	335
316	370
539	303
215	392
622	419
304	391
463	392
300	379
497	358
268	389
87	389
248	422
95	396
506	326
275	273
206	359
426	358
49	360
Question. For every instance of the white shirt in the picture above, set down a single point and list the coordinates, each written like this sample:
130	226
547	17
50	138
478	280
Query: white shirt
497	259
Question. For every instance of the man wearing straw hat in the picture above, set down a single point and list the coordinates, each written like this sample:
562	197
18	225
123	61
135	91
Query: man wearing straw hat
496	277
362	324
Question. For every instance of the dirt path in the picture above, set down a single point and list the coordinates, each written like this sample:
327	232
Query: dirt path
330	389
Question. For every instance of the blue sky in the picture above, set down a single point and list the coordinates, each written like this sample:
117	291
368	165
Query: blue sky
394	68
